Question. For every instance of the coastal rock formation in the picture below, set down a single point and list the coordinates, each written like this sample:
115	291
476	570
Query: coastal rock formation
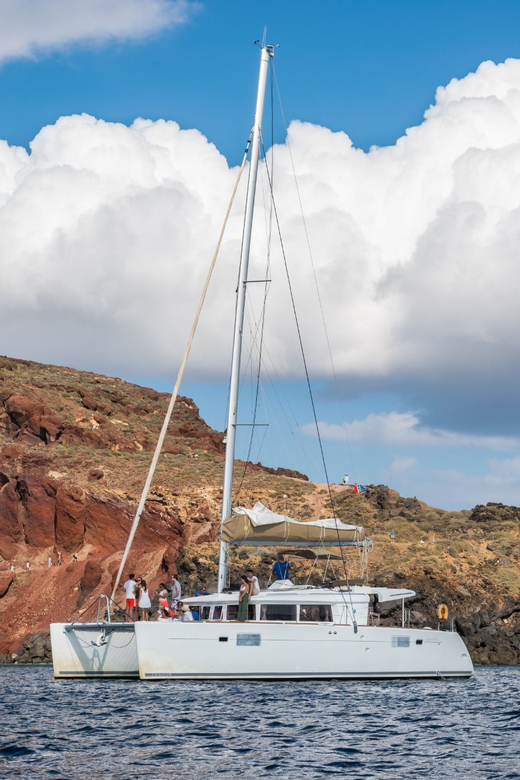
75	448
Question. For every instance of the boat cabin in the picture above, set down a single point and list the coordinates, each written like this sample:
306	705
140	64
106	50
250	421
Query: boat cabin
286	602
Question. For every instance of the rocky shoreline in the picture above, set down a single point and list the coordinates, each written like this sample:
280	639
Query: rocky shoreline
35	650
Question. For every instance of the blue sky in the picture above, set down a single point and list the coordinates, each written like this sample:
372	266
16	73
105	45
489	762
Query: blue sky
370	68
425	352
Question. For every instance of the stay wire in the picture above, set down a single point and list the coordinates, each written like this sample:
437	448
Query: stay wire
311	257
309	249
311	395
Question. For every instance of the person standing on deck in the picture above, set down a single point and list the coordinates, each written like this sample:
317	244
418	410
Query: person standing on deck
176	592
243	598
129	587
281	568
144	600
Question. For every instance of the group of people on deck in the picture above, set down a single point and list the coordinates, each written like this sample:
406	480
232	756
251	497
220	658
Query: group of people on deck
138	602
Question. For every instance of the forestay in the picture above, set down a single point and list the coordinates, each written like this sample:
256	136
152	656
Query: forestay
261	526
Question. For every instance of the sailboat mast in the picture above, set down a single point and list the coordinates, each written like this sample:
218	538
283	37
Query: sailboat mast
265	55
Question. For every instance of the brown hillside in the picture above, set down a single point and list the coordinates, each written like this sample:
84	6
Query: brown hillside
75	448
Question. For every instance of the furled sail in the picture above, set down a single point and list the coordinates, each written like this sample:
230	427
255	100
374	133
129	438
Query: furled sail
261	526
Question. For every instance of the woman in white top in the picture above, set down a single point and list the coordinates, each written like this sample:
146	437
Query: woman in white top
144	601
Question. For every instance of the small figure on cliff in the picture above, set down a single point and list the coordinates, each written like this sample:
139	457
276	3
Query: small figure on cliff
28	565
129	587
74	558
59	559
12	568
344	481
49	561
392	537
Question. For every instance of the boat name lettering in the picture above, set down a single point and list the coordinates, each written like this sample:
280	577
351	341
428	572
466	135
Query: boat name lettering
250	640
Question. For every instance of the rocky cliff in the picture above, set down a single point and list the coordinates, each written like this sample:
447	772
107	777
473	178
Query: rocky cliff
75	448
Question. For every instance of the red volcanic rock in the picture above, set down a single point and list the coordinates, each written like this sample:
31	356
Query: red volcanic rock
201	513
11	452
37	505
70	513
88	401
11	528
5	583
107	524
32	418
91	577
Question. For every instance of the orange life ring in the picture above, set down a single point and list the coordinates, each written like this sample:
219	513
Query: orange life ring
442	612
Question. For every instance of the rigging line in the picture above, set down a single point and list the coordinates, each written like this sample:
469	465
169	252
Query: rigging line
286	406
173	398
300	341
309	248
301	450
304	361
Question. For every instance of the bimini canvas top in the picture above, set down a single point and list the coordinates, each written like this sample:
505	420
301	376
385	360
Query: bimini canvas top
261	526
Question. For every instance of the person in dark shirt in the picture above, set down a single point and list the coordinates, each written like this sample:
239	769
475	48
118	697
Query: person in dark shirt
281	568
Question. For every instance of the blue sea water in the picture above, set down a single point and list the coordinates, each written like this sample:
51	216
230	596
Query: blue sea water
84	730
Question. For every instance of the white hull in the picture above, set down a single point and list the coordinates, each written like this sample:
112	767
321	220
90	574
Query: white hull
94	650
263	650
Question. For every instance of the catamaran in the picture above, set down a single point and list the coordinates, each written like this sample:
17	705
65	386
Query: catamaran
292	631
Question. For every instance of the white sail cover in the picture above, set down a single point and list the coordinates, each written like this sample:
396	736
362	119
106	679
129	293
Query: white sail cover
261	526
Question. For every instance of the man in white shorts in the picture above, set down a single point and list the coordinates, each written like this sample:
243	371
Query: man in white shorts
130	586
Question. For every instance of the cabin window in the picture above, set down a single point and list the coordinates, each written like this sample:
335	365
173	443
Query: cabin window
217	613
278	612
204	613
232	612
317	613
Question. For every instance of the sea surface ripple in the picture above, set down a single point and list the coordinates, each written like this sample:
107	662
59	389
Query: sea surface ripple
128	730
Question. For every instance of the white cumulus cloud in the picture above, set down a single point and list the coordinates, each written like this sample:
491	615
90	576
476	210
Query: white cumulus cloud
32	27
106	233
394	429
